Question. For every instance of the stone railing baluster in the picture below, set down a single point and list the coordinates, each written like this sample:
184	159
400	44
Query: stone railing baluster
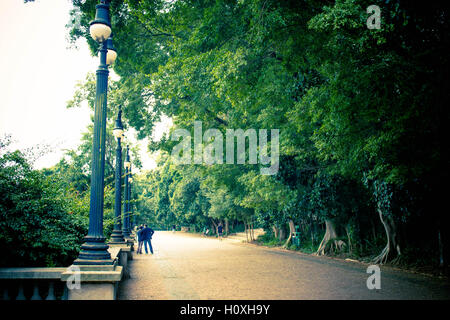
65	295
36	295
5	295
21	294
51	291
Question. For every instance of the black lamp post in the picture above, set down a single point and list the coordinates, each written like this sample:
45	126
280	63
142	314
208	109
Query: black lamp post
117	235
130	202
132	221
126	205
94	251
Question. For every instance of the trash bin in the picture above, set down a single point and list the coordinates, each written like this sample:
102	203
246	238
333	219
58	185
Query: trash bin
296	239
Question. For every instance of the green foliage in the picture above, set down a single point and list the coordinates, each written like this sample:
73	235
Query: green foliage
269	240
361	112
42	222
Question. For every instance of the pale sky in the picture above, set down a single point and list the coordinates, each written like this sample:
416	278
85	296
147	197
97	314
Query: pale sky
38	74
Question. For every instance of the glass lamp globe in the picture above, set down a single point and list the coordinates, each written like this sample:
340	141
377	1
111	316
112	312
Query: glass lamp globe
111	56
99	31
100	28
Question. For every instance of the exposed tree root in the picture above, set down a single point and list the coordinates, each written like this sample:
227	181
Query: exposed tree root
291	232
382	257
392	249
330	243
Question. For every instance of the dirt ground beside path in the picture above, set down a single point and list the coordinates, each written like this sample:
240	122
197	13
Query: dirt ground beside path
186	266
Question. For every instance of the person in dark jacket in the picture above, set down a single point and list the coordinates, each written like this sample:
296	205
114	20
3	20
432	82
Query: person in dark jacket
220	231
146	235
140	241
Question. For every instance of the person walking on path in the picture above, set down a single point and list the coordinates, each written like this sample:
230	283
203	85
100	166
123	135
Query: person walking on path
139	239
220	231
147	234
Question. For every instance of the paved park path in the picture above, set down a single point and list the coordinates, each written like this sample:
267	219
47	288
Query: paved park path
191	267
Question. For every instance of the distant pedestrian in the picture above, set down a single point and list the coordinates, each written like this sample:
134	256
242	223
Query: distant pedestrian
173	228
136	230
147	234
140	240
220	231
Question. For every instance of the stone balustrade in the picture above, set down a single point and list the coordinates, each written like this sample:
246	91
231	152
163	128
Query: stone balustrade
32	284
95	282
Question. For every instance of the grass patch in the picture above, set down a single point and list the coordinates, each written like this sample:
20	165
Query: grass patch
268	240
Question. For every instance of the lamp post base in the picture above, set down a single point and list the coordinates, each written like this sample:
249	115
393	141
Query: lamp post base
94	265
126	235
117	237
94	252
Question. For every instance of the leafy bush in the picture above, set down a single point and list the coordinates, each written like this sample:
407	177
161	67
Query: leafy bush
269	240
41	222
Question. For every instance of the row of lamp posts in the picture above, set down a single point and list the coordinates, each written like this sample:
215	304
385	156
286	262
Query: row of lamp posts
94	250
121	232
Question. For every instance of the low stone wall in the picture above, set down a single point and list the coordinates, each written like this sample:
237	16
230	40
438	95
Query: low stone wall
76	282
32	284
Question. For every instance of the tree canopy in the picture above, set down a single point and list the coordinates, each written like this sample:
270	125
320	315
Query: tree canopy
361	114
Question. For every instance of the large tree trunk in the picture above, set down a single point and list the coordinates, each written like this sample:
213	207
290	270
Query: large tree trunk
249	231
246	229
374	233
226	226
252	232
392	249
275	231
291	232
312	230
215	225
281	234
330	236
349	240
